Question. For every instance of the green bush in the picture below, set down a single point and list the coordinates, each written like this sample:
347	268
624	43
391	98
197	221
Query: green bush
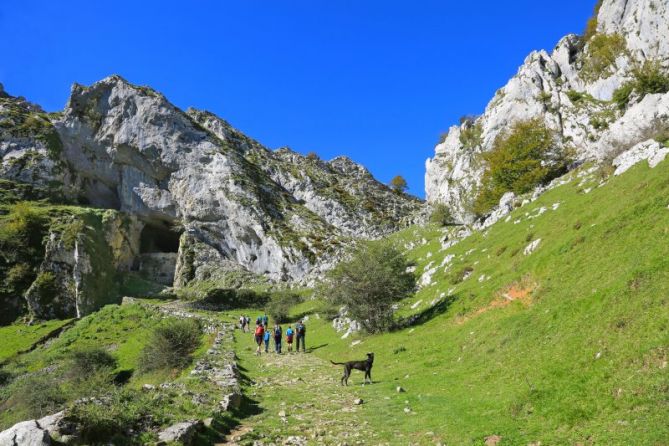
5	377
591	26
19	277
621	96
603	50
280	305
171	345
470	135
231	298
46	287
520	160
113	419
88	361
37	396
649	78
369	284
460	275
441	215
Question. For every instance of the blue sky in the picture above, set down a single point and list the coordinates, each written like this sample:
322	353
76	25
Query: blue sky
375	80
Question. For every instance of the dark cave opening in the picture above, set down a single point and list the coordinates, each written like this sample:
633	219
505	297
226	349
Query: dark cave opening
159	237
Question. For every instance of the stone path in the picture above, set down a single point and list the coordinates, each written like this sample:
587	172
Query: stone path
301	402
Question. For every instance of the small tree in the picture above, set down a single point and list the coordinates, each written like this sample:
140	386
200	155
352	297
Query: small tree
399	184
312	156
521	159
441	215
369	284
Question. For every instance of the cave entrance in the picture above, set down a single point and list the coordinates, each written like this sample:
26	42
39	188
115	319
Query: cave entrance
159	237
159	247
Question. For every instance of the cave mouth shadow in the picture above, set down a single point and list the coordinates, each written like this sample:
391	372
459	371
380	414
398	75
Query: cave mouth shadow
159	237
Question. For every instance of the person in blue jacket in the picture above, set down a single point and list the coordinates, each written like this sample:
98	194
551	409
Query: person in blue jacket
266	338
289	338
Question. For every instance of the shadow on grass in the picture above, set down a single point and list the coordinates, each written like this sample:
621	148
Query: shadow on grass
311	349
426	315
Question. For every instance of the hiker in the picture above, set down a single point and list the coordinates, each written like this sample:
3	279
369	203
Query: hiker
266	338
265	321
289	338
259	333
277	338
301	332
248	323
242	323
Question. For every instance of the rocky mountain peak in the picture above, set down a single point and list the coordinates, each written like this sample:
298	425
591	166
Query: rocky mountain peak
569	91
220	201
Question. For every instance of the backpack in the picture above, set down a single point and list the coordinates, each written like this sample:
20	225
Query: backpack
259	330
301	329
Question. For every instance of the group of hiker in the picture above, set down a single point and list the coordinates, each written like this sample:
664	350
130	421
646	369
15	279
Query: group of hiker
263	334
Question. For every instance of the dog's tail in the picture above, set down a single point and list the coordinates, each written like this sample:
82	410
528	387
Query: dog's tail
336	363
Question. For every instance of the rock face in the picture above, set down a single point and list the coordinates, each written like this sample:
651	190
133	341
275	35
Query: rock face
559	89
230	203
33	432
79	272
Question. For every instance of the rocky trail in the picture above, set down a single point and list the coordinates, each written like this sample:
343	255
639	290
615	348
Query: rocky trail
299	401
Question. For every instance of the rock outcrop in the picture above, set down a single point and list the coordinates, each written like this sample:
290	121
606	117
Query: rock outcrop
83	256
208	199
562	90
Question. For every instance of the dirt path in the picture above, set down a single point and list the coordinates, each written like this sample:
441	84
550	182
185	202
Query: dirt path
299	401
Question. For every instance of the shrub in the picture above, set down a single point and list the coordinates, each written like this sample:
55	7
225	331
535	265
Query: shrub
522	159
591	26
369	283
441	215
19	277
460	275
88	361
621	96
650	79
113	419
663	138
171	345
46	287
312	156
280	305
470	135
5	377
230	298
603	50
37	396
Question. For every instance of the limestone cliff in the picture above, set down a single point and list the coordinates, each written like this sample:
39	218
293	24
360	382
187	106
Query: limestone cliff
570	90
208	199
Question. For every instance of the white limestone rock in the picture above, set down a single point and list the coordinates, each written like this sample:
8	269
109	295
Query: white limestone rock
650	151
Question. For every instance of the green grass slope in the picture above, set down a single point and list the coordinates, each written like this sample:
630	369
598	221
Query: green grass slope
565	345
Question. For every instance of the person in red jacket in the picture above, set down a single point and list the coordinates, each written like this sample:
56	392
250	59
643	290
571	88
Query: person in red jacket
259	335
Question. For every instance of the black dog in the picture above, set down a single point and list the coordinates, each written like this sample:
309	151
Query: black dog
364	366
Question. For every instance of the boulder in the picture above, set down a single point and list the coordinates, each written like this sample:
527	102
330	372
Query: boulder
183	433
33	432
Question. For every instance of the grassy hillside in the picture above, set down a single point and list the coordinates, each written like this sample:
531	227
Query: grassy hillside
564	345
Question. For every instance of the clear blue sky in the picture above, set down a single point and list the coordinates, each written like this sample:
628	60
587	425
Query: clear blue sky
375	80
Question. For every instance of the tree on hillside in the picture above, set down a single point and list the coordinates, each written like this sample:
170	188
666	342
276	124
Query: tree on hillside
441	215
521	159
369	283
399	184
